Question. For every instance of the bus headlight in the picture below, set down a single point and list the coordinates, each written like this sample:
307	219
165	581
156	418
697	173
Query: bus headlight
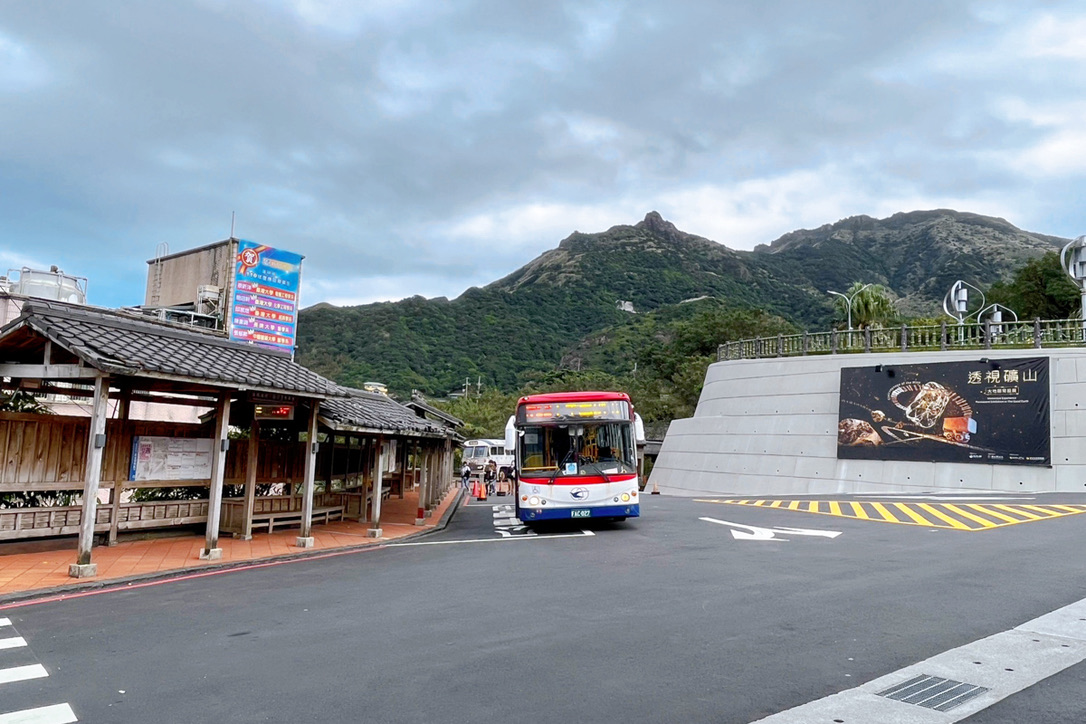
625	497
534	500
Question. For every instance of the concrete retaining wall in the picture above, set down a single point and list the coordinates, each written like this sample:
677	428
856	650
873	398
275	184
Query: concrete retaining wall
769	427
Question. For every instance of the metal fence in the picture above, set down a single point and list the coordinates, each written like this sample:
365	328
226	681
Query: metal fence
927	338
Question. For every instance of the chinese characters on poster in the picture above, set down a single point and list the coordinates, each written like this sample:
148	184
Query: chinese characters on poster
265	305
993	412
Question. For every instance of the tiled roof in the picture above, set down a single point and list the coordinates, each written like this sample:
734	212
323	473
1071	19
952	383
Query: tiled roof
125	343
417	403
371	411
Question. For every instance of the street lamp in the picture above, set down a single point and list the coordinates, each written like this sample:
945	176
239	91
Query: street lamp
848	301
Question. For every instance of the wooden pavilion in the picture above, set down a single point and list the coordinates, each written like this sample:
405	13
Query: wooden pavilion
299	425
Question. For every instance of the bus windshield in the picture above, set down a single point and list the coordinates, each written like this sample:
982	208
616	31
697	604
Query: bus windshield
605	448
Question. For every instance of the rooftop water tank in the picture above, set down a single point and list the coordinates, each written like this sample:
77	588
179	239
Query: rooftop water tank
53	284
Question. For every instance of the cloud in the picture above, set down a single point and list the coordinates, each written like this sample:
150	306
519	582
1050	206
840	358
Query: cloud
407	147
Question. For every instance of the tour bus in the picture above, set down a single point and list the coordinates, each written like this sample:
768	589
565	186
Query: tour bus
576	456
476	453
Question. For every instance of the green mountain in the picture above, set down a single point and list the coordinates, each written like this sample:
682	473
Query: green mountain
568	297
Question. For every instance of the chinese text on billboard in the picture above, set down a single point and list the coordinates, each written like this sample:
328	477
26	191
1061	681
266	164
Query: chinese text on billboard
990	411
265	305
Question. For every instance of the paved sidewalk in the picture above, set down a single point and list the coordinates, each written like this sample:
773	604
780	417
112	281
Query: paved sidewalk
29	572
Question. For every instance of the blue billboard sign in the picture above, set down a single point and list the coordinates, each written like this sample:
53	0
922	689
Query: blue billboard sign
264	310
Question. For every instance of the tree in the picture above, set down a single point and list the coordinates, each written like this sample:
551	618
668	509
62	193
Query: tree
1041	288
871	305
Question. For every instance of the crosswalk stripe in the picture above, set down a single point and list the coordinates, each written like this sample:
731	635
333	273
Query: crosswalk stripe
5	621
12	643
22	673
994	513
983	522
943	516
886	514
54	714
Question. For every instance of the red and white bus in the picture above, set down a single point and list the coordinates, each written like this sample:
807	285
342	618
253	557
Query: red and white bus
576	456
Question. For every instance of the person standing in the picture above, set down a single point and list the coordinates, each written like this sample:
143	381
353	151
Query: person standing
465	475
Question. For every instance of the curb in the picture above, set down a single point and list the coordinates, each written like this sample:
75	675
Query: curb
20	597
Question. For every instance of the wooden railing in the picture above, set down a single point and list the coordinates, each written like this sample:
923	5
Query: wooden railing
927	338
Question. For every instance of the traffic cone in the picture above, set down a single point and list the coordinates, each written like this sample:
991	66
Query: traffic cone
482	491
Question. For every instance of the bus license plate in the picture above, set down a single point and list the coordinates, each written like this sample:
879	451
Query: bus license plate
580	514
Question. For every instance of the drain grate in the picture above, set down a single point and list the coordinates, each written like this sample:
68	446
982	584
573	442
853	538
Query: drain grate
933	692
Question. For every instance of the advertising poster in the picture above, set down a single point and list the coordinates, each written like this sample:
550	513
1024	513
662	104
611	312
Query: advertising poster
264	310
992	412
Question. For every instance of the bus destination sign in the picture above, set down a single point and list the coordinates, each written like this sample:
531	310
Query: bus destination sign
544	412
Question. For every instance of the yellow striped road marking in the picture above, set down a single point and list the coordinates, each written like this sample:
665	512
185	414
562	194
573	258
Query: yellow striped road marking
908	510
859	512
960	516
886	514
984	522
1016	511
1046	511
943	516
996	514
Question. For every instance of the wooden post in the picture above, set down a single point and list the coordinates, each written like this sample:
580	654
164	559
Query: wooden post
211	551
96	445
252	465
378	480
404	459
123	428
305	540
421	485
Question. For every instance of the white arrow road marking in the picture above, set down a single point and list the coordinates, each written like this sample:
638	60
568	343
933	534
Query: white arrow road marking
757	533
56	714
805	531
582	534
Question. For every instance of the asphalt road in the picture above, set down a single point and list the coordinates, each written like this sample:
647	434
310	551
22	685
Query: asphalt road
663	618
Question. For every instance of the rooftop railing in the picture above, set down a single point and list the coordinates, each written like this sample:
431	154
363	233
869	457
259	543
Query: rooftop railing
926	338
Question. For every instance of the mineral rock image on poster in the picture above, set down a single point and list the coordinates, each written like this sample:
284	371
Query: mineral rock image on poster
993	411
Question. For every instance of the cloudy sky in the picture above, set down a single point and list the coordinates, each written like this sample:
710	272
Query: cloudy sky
425	147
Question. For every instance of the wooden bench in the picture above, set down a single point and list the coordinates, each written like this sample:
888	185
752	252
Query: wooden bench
324	514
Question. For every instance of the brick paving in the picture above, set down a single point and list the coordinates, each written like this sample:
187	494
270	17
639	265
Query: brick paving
24	569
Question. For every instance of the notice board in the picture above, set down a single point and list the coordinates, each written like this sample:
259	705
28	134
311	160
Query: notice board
170	458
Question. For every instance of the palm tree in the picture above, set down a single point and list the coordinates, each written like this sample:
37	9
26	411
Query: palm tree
865	305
